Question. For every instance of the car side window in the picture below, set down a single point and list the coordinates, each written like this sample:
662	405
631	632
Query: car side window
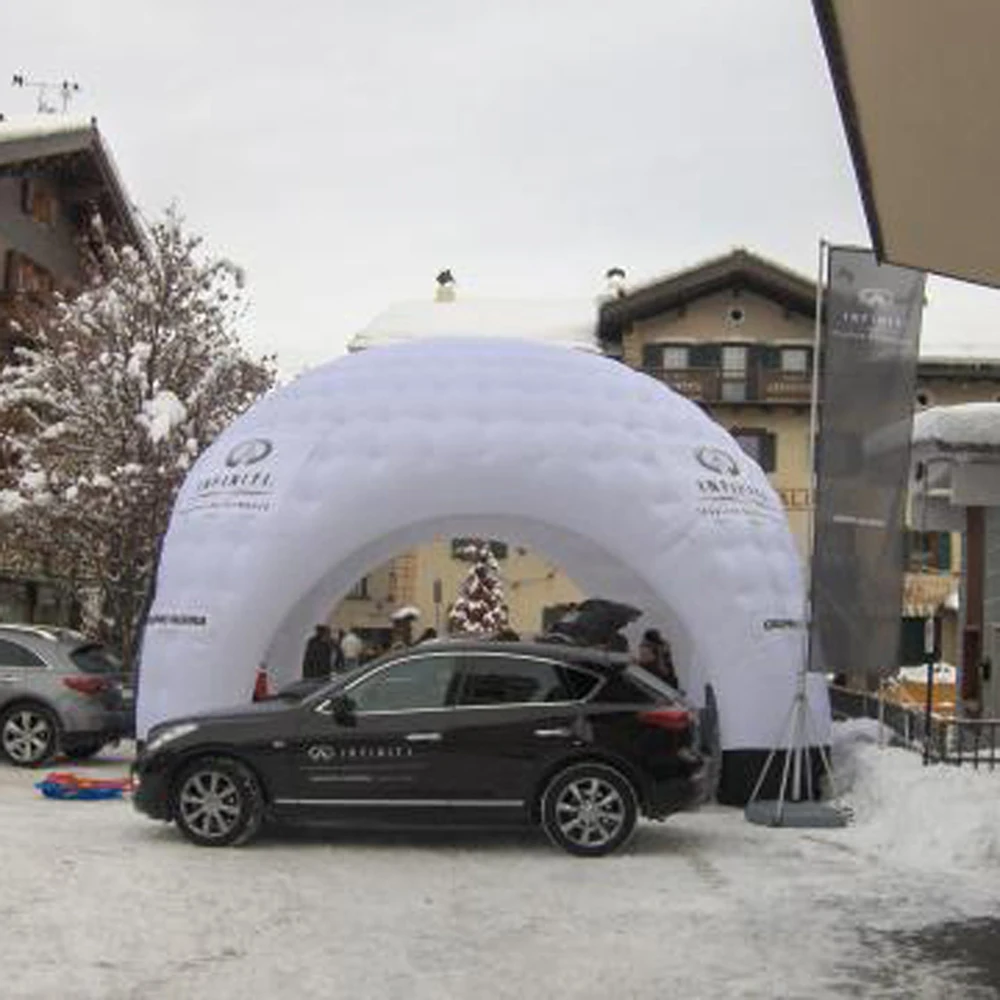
13	654
512	680
420	682
579	683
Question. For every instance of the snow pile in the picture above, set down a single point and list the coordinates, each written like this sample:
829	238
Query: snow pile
935	818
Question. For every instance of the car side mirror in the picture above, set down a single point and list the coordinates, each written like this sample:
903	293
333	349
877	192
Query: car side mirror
343	710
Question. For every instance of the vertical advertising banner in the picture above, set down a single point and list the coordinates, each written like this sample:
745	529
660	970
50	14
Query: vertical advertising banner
868	374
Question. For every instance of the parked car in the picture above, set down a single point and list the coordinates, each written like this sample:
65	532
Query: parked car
60	692
576	740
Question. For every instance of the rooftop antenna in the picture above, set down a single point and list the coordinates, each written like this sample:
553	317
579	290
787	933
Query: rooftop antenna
66	89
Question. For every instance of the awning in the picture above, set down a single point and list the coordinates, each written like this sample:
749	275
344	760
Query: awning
917	83
926	594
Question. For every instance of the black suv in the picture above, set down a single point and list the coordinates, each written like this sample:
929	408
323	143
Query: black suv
577	740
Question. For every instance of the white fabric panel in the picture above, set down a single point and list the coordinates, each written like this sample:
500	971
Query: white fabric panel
628	486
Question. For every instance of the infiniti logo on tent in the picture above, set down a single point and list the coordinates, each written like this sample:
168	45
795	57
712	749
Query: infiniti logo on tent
249	452
717	460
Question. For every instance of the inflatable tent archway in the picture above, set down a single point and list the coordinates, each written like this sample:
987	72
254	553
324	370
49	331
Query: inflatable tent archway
631	488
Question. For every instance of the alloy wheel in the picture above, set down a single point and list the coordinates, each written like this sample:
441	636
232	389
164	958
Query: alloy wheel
27	736
210	804
590	812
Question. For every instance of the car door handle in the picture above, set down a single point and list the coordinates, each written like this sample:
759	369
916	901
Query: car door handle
559	731
423	737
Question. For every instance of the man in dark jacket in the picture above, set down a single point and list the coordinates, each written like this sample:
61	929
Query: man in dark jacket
318	659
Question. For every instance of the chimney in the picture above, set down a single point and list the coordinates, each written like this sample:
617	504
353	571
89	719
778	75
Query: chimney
445	291
614	283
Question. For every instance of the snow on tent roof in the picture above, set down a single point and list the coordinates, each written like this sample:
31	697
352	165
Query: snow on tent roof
964	427
570	323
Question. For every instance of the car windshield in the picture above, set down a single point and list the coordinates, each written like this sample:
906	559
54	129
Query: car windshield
93	658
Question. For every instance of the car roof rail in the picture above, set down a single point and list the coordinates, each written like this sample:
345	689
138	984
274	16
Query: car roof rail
42	631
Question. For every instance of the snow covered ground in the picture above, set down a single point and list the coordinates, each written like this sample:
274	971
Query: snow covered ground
99	902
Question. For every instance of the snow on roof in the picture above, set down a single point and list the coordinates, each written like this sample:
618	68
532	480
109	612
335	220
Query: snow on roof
41	126
571	323
964	427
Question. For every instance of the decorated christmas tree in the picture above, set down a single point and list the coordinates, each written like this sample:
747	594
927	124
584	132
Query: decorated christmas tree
480	607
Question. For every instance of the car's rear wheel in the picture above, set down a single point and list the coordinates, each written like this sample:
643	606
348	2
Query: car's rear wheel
29	734
589	809
218	802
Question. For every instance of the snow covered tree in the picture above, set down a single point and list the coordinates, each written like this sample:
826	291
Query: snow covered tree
480	607
119	389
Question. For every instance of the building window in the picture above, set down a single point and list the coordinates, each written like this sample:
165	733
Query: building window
795	360
928	551
38	202
22	274
734	373
359	592
760	444
675	358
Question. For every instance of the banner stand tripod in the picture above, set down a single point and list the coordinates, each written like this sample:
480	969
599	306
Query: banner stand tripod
796	810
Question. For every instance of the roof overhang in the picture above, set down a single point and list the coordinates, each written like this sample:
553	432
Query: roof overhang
51	141
738	270
917	81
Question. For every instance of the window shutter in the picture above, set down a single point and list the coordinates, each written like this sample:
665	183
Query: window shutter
706	356
652	355
9	271
944	551
769	452
770	357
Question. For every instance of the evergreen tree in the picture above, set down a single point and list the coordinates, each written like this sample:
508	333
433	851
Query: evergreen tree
480	607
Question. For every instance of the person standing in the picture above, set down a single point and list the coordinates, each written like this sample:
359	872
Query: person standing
339	661
654	656
317	661
351	647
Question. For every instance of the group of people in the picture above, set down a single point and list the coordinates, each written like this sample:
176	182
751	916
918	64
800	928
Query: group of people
326	654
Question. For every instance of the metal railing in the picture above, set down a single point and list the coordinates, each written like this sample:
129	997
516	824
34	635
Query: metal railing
755	384
946	740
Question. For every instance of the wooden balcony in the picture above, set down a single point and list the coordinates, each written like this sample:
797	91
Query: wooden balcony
756	385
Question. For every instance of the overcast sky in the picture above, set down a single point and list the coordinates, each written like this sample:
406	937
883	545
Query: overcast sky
344	152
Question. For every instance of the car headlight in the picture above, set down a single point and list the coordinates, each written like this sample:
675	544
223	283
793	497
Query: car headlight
170	734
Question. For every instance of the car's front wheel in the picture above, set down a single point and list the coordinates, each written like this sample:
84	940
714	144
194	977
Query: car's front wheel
29	735
218	802
589	809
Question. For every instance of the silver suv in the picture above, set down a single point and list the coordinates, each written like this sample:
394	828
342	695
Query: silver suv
59	693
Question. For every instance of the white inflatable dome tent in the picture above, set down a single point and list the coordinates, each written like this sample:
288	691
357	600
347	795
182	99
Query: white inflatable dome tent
629	487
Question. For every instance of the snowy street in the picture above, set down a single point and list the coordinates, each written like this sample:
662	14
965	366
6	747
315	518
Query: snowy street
100	902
